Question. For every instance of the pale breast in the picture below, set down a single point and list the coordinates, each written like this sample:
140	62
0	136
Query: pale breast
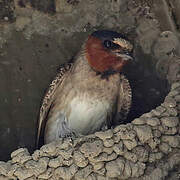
83	115
88	115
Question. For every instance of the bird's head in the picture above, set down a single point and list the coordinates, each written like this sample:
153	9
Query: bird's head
108	50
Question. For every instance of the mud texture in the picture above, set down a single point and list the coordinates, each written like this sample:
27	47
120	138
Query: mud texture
37	37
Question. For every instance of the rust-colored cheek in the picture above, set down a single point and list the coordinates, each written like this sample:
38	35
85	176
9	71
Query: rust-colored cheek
100	59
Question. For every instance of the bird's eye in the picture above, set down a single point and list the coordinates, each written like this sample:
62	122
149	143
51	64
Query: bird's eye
110	45
107	44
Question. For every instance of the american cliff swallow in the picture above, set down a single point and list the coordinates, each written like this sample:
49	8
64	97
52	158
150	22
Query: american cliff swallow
90	94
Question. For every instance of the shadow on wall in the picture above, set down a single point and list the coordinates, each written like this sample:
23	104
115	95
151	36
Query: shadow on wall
148	89
26	69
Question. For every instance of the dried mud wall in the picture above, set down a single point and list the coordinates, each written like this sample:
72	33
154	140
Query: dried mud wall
35	38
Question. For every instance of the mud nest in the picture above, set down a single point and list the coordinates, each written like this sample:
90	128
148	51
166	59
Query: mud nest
148	146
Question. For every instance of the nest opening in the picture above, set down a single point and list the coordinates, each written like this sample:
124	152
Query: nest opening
148	88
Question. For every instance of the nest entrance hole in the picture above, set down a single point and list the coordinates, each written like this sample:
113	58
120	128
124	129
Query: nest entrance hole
148	89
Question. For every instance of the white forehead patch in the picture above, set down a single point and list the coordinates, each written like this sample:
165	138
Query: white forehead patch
123	43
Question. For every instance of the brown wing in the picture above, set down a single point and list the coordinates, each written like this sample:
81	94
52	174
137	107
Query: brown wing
123	102
49	97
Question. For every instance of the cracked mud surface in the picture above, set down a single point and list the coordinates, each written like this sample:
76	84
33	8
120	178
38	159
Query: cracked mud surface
33	45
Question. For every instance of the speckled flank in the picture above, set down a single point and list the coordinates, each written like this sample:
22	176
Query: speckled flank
49	97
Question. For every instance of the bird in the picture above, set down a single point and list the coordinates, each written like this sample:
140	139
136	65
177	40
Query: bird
90	93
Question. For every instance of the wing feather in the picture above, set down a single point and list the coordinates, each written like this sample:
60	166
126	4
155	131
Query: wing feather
49	97
124	101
